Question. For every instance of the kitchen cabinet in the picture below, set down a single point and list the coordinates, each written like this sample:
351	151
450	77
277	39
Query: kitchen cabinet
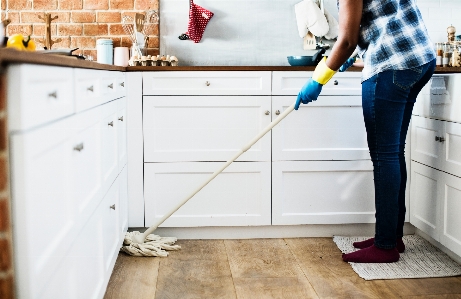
67	186
321	167
193	122
435	175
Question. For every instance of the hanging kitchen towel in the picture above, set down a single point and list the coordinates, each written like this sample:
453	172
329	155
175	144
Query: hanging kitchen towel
198	19
309	17
333	26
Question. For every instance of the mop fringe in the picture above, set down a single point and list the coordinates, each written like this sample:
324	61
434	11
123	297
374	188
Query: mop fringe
153	245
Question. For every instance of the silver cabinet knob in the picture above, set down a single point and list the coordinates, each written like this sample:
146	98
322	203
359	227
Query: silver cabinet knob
112	207
111	124
78	147
277	112
207	83
54	94
335	82
120	118
122	84
91	88
111	86
267	112
439	139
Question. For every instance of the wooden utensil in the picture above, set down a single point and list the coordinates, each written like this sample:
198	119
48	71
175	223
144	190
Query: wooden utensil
309	43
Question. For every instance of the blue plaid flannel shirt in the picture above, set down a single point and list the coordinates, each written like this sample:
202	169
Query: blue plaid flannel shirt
393	37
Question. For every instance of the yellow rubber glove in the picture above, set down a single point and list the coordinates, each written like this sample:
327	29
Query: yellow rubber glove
311	90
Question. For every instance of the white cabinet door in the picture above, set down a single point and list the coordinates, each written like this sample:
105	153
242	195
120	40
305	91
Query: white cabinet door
121	133
322	192
426	145
111	225
450	199
44	213
332	128
424	203
207	128
206	83
452	148
239	196
109	144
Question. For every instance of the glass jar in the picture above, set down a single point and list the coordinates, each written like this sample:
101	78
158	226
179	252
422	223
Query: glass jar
104	48
439	51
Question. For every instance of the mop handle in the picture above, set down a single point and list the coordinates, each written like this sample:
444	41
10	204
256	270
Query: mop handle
244	149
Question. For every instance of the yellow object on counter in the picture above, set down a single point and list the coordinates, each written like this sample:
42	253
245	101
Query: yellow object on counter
18	41
322	73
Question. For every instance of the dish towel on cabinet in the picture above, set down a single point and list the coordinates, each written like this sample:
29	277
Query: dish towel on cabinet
198	19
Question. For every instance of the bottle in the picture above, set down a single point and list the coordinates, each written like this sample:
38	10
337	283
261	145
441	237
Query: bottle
104	49
439	50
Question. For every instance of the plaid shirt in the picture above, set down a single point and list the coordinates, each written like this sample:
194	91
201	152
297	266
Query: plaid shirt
393	37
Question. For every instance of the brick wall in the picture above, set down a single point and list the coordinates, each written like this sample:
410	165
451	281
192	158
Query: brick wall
6	248
80	22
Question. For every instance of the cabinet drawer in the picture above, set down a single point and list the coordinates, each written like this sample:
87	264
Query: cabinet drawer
425	148
290	83
213	128
440	98
88	89
41	94
207	83
322	192
239	196
331	128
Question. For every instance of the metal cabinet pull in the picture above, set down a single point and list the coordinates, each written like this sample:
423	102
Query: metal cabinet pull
207	83
335	82
120	118
122	84
54	94
439	139
111	86
111	124
277	112
78	147
112	207
267	112
91	88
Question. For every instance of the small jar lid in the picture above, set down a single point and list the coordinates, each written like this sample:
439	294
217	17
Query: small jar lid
103	41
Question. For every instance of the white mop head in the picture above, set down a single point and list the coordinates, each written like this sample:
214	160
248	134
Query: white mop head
153	245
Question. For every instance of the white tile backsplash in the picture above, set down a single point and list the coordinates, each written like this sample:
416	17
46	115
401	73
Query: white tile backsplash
438	15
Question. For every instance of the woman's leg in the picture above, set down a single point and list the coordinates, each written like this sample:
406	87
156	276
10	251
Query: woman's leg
387	104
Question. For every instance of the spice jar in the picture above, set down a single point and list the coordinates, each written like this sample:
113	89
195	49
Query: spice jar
439	50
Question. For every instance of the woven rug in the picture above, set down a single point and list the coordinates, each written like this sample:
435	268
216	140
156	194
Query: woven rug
421	259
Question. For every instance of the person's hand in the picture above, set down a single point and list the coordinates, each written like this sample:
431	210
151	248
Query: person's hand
309	92
349	62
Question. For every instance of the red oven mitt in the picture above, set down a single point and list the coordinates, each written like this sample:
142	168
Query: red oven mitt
198	19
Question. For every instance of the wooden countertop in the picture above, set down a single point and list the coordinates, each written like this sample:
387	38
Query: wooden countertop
8	56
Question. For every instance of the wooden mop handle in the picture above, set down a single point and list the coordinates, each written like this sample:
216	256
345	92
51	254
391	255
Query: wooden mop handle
244	149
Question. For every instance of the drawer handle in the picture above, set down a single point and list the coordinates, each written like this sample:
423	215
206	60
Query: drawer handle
91	88
335	82
207	83
111	86
439	139
120	118
122	84
277	112
54	94
111	124
112	207
78	147
267	112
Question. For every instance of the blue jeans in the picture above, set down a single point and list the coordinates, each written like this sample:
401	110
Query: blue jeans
387	100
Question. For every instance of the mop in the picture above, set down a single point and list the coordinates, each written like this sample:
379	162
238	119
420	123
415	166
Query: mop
147	244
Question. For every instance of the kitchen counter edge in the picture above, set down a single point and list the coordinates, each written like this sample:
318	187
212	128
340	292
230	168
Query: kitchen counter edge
8	56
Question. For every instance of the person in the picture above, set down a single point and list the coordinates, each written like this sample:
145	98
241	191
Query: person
398	60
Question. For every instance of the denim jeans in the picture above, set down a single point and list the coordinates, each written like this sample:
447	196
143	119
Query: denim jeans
387	101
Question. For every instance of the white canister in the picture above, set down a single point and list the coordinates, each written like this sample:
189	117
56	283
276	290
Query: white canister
121	56
104	48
